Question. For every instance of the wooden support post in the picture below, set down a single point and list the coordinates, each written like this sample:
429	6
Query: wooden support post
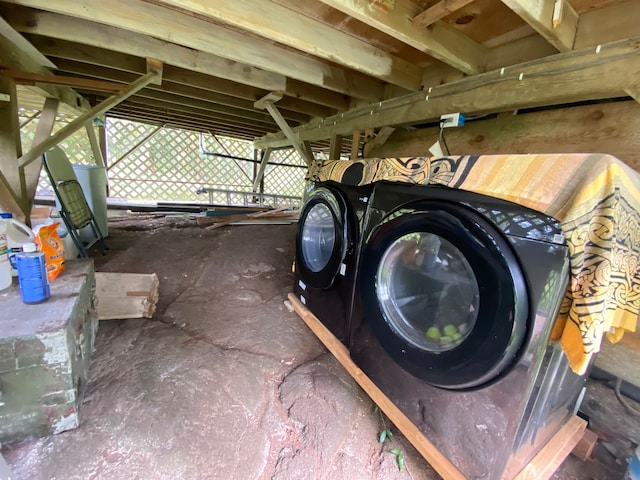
79	122
11	181
355	145
45	127
263	165
95	145
267	102
335	148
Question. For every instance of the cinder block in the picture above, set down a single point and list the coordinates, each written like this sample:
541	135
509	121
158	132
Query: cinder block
45	353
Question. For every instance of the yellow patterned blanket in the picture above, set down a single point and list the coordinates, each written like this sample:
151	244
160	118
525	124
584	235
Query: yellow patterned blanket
596	198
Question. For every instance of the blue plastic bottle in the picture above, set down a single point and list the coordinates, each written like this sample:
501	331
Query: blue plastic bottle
32	275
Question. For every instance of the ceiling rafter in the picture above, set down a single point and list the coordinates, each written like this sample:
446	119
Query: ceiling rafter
202	36
438	11
441	41
91	61
222	103
555	20
281	25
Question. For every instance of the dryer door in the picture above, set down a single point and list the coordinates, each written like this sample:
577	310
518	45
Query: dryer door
323	237
444	295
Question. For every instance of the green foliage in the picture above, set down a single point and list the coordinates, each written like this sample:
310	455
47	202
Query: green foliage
399	458
386	433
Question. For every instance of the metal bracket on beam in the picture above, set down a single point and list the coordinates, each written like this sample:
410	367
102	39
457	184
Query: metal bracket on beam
96	111
267	102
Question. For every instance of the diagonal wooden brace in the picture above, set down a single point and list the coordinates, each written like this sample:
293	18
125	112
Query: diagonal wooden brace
37	150
267	102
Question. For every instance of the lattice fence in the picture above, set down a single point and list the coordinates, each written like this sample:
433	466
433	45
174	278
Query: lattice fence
172	165
151	163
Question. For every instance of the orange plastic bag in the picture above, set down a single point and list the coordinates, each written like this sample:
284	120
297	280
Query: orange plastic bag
51	245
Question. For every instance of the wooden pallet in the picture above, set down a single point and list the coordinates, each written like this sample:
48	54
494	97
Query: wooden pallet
541	467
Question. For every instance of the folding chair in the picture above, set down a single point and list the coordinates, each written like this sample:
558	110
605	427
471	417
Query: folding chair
74	209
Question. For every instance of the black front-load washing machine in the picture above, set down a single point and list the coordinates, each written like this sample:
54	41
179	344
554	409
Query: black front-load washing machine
327	252
459	293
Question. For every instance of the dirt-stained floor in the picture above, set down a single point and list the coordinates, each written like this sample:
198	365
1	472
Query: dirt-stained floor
224	382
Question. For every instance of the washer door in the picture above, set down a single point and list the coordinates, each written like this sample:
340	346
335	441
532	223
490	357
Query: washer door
444	295
323	238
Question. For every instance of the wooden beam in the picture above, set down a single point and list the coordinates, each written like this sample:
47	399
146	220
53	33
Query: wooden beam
279	24
89	60
355	145
438	11
96	111
303	98
23	45
175	91
588	74
604	25
441	41
335	147
29	78
12	197
551	456
43	131
95	144
203	37
263	165
13	56
604	127
301	147
555	20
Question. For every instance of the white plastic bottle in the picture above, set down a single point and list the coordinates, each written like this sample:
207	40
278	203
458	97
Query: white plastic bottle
17	235
5	266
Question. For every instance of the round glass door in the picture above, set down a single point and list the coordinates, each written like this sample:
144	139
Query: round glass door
318	237
443	293
428	292
323	237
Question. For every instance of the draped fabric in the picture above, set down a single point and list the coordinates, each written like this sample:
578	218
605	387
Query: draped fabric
596	197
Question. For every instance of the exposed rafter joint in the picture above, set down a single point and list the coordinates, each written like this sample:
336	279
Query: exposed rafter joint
267	102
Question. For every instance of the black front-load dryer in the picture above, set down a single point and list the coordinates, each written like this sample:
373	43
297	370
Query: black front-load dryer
458	295
327	252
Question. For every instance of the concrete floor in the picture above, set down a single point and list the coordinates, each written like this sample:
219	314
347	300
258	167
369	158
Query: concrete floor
224	382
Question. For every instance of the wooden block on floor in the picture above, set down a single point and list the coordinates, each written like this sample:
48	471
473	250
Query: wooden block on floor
126	295
585	445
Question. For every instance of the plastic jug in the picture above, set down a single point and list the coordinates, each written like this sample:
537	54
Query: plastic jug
17	235
5	266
